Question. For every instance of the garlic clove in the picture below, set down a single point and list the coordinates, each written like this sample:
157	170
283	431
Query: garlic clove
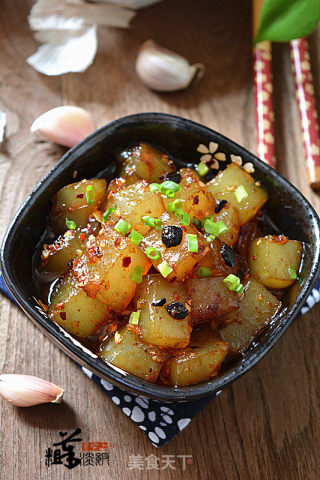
26	390
163	70
65	125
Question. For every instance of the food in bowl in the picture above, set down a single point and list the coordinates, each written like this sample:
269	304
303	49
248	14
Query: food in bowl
166	276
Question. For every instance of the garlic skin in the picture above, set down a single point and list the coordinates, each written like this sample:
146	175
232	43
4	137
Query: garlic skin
27	391
65	125
163	70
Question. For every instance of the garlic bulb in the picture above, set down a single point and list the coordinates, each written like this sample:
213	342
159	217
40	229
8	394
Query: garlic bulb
163	70
65	125
26	390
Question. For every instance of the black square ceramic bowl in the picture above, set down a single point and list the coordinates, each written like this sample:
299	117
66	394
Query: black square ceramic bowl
95	157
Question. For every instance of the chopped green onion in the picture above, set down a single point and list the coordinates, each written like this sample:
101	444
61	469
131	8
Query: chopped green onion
145	220
206	218
153	253
172	206
169	193
156	223
169	185
208	225
210	238
196	222
71	224
233	283
183	217
108	212
122	227
204	272
134	317
154	187
292	273
136	275
193	243
135	237
152	222
240	193
202	169
90	194
167	188
214	228
164	269
239	288
220	228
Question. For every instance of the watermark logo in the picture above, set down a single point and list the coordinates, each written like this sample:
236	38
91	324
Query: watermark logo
66	453
153	462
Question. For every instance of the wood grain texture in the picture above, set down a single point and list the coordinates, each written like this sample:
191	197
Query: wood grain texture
267	425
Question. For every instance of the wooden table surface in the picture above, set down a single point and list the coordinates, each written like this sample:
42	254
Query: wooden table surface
267	425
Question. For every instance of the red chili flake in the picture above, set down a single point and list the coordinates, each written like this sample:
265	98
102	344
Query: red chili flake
254	257
133	328
126	262
98	252
94	252
196	200
63	315
82	237
117	242
59	305
279	239
80	195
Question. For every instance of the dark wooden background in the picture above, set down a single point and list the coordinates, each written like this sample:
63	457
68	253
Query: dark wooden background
267	425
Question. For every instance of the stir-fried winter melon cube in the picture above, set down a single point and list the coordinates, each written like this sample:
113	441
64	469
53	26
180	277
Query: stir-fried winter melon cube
56	256
196	200
167	327
106	268
124	350
145	161
210	297
179	259
226	183
274	261
71	203
198	362
256	310
214	261
134	202
229	215
70	307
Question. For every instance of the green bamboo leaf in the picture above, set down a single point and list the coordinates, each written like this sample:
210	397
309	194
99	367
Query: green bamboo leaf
284	20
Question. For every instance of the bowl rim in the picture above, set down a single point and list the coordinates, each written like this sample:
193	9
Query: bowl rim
82	355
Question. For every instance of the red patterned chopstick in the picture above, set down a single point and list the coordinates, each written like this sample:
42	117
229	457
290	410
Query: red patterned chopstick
263	103
308	113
